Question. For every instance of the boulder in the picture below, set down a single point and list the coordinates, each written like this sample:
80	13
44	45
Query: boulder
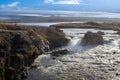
55	37
92	39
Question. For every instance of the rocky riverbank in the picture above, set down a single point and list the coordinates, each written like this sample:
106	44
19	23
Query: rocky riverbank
98	59
20	45
99	63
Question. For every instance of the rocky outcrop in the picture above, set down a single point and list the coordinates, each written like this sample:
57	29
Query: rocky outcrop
55	37
58	52
18	51
92	39
20	45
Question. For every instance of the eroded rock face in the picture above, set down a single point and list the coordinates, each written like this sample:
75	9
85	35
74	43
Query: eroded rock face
92	39
17	51
20	45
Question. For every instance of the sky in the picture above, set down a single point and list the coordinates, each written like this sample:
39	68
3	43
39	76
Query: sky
61	7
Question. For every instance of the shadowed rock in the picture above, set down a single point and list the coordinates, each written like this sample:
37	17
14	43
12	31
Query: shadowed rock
58	52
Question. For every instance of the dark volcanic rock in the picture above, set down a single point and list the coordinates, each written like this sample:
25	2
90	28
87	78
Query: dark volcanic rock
92	39
59	52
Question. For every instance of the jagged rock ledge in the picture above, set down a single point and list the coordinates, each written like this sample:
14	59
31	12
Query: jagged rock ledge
20	45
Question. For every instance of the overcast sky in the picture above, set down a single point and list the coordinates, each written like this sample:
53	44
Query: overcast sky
37	6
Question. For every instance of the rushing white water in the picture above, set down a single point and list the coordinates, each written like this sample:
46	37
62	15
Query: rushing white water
62	68
76	34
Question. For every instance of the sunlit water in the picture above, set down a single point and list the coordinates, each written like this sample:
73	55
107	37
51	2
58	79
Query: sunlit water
52	69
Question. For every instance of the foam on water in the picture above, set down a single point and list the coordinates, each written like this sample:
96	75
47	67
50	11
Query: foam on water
75	41
51	69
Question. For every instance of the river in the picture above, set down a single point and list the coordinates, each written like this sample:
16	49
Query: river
47	24
83	62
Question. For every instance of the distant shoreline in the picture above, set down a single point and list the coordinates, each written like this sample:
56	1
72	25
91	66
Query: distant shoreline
59	19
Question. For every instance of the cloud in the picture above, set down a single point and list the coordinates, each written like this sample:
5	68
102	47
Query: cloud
69	2
14	4
48	13
48	1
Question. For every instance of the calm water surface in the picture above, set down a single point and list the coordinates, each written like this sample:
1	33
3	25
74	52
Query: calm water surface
47	24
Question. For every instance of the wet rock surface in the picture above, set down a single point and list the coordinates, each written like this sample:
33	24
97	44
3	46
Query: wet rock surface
92	39
58	52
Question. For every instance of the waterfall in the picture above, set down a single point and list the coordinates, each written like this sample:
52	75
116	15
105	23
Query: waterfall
75	41
116	45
